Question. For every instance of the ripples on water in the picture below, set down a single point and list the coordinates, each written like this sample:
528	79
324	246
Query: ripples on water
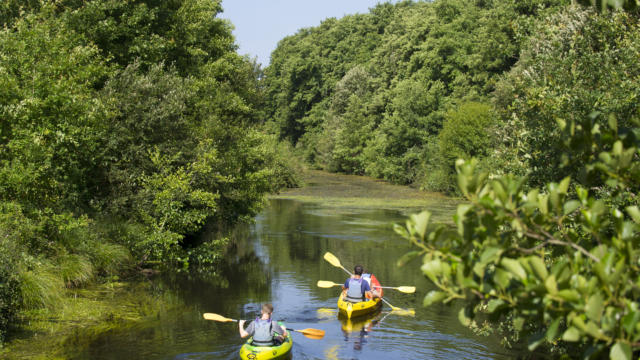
280	261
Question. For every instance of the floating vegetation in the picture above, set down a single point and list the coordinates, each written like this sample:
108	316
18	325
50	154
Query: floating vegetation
352	191
83	315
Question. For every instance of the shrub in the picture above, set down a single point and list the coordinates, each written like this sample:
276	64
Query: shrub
466	133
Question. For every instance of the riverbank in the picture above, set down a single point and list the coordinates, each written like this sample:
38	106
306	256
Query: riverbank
83	315
353	191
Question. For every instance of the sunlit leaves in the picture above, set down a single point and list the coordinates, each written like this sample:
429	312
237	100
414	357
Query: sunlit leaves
434	297
561	264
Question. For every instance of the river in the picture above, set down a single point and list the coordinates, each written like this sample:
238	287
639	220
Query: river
279	259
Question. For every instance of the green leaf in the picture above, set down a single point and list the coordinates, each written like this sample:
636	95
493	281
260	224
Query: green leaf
408	257
434	297
571	206
543	204
620	351
613	123
552	331
551	285
563	187
632	318
593	309
490	254
421	222
502	278
634	212
569	295
617	148
401	230
628	230
463	318
539	267
583	194
494	304
572	334
432	269
514	267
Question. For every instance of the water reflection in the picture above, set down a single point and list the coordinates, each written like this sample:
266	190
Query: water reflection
356	330
278	259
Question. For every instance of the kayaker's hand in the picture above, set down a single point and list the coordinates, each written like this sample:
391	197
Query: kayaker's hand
241	323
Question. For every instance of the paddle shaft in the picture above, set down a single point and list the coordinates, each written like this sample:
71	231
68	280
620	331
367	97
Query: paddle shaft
310	333
386	302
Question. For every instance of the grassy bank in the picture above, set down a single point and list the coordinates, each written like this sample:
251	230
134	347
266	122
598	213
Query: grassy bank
83	315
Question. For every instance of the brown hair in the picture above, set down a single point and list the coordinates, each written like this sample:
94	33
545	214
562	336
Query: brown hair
267	308
358	269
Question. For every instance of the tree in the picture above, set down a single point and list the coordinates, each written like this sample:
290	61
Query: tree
578	62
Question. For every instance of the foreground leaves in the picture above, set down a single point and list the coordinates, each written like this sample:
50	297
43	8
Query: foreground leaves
559	264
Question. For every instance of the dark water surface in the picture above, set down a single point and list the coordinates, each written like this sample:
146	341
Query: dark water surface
279	260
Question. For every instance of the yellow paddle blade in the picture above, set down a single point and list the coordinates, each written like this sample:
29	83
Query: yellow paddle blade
326	284
332	259
216	317
406	289
315	334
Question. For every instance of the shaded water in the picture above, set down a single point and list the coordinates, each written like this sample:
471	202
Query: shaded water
279	261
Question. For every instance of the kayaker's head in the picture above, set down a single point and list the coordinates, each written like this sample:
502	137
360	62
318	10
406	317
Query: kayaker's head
357	270
267	309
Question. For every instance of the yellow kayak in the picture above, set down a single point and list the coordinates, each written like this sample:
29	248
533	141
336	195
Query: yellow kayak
352	310
282	351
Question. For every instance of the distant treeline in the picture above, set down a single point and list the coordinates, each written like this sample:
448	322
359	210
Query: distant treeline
125	126
400	92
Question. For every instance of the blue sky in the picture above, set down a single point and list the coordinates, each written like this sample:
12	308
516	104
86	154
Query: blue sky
260	24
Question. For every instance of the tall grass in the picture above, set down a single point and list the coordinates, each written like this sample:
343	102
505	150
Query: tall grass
108	258
42	287
75	269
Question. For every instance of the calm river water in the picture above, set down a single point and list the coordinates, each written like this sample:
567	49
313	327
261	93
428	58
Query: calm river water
279	260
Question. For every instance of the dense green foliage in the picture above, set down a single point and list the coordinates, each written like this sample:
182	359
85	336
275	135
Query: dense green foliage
124	128
393	75
548	244
557	266
577	63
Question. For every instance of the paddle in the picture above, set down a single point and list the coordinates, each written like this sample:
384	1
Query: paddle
315	334
404	289
333	260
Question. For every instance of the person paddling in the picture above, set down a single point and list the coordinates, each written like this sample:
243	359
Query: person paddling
371	279
265	332
356	289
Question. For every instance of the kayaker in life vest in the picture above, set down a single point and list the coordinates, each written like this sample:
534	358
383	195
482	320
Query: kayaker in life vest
357	289
265	332
370	278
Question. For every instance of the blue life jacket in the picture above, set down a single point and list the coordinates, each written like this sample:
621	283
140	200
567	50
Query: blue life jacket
354	292
262	334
